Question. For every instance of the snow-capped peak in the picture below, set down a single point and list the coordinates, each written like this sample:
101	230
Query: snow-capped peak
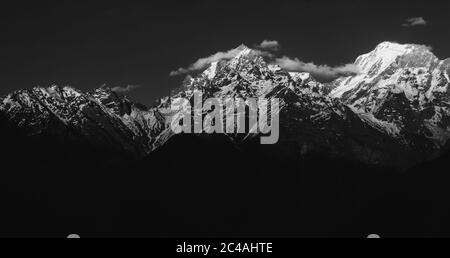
391	45
382	57
244	51
388	53
401	93
58	91
399	86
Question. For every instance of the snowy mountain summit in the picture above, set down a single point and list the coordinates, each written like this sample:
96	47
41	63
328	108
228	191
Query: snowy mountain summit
395	112
403	90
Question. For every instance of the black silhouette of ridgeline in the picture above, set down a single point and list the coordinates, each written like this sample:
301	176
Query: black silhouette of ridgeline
207	186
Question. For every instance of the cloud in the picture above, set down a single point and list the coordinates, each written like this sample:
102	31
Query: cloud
269	45
415	21
203	63
265	49
320	72
126	89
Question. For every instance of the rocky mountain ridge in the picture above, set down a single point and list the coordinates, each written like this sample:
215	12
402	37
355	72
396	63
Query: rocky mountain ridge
394	113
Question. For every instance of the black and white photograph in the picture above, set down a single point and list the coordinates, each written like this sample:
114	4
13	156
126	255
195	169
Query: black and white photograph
223	119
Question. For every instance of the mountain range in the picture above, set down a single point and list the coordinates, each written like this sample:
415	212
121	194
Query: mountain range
395	112
365	153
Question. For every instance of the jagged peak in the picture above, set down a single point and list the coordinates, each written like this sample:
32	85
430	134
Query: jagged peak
54	91
58	91
243	51
105	92
239	52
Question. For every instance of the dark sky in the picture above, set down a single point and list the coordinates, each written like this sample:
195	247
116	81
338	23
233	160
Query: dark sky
88	43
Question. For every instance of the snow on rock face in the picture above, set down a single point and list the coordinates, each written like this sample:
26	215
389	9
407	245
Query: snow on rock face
381	58
398	87
300	76
308	117
101	117
398	108
210	73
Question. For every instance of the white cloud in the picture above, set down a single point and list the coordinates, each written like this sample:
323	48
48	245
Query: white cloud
266	49
126	89
320	72
269	45
415	21
203	63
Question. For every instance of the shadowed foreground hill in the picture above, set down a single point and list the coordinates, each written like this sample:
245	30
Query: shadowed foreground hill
207	186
